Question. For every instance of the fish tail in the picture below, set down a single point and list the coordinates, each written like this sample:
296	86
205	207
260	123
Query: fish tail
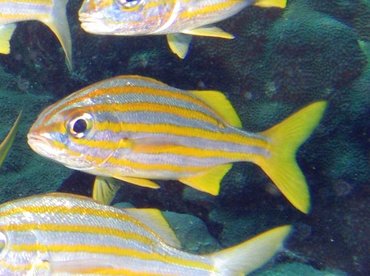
251	254
58	23
284	140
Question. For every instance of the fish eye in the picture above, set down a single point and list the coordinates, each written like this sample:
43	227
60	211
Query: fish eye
80	126
129	4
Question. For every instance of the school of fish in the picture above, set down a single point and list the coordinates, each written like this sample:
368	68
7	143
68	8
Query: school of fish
137	129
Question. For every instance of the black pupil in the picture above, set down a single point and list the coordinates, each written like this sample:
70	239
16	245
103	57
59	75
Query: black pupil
80	126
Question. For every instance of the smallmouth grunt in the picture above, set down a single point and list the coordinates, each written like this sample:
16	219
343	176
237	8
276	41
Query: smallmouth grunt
50	12
135	128
9	139
177	19
61	234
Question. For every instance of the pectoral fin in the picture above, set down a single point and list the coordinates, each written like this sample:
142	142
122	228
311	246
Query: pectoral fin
208	181
6	32
210	31
179	44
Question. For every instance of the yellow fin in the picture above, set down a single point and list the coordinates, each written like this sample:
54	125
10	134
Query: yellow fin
179	44
210	31
271	3
155	220
58	23
105	189
138	181
218	101
6	32
208	181
9	139
284	140
248	256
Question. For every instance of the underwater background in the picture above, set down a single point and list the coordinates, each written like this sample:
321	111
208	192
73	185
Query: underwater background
280	61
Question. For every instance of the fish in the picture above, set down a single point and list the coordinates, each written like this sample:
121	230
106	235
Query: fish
9	139
177	19
61	234
138	129
50	12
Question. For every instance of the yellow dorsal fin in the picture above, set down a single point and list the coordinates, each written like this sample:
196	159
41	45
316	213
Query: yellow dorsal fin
155	220
138	181
9	139
208	181
271	3
105	189
58	23
210	31
6	32
179	44
218	101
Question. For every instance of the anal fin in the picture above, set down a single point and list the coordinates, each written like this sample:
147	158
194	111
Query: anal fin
6	32
208	181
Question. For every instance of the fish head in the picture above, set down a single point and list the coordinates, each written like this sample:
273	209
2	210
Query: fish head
67	132
125	17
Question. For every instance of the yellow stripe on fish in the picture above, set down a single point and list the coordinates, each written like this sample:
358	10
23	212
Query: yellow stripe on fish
135	129
50	12
177	18
39	236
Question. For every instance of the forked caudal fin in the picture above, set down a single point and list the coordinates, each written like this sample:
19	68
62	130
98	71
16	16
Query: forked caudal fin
58	23
250	255
284	140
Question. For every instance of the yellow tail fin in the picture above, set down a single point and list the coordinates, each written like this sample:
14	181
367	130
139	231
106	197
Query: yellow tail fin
281	166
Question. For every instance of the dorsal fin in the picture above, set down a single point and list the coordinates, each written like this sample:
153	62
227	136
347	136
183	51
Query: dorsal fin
155	220
218	101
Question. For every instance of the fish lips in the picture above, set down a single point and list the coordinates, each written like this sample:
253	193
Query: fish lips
44	147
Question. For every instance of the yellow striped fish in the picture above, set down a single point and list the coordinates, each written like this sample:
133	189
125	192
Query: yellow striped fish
135	128
50	12
60	234
175	18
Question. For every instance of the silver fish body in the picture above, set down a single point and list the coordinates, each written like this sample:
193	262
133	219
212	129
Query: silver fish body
60	234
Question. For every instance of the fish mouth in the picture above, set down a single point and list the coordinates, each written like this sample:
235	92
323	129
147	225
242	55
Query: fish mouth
40	145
